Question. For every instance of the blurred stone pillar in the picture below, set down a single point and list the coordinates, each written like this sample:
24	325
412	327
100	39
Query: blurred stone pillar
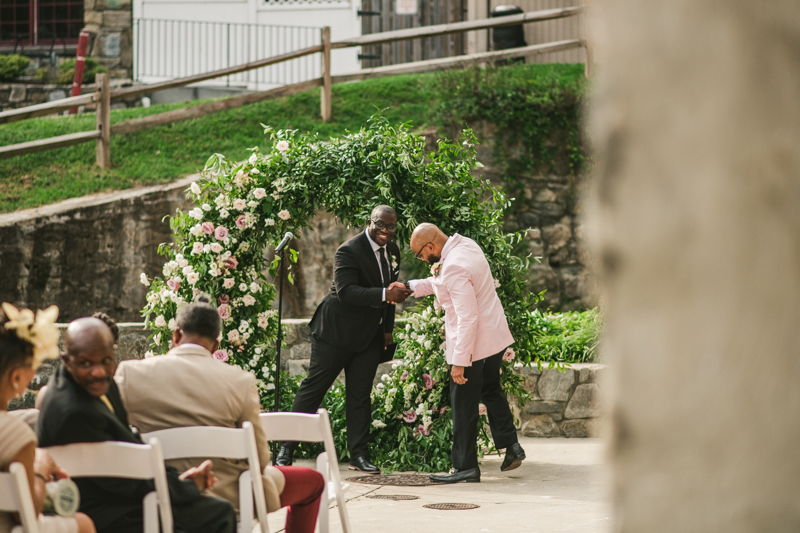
696	220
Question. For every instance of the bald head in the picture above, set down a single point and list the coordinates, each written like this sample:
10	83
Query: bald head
90	355
427	241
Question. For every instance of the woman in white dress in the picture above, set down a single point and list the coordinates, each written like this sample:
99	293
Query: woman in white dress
24	342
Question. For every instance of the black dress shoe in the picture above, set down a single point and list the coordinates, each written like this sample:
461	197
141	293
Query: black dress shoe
363	464
285	455
470	475
514	457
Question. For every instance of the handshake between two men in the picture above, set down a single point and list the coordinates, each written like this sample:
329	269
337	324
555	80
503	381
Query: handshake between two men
396	293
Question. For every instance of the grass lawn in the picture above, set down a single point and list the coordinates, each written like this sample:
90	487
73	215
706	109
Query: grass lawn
162	154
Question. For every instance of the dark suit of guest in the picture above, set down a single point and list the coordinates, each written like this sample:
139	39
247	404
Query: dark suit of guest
71	415
347	332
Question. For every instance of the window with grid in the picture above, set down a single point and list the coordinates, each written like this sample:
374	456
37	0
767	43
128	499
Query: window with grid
55	21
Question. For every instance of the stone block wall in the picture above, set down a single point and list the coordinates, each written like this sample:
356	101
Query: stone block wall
14	95
111	25
565	403
86	254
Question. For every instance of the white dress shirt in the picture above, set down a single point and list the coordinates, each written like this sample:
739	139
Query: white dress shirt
376	248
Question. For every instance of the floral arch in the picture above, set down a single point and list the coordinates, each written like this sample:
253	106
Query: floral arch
243	207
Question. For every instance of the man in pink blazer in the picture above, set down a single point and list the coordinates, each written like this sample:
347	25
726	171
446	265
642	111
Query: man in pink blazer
476	336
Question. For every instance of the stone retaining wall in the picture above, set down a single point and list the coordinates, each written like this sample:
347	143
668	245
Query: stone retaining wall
14	95
564	404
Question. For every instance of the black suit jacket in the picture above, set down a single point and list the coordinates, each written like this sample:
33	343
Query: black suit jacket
350	314
71	415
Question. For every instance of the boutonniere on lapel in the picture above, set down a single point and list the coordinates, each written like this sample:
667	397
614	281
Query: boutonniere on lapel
436	269
394	263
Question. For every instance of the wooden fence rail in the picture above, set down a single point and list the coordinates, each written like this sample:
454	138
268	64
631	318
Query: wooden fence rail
103	95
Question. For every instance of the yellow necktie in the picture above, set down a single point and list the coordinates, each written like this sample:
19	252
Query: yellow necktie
108	403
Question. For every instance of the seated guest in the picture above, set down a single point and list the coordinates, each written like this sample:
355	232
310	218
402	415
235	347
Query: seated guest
23	344
83	405
32	415
188	387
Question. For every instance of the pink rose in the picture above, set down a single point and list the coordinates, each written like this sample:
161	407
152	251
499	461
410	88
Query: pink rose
223	299
428	381
221	355
509	355
481	409
223	311
422	430
404	375
240	222
231	263
221	233
173	284
208	227
410	416
443	410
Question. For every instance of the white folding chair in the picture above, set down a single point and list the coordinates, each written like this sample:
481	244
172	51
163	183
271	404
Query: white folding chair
301	427
230	443
125	460
15	497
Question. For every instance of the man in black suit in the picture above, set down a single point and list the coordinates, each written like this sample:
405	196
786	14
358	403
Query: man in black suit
350	330
83	404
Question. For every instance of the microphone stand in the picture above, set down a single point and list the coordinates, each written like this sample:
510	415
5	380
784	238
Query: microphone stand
277	380
280	335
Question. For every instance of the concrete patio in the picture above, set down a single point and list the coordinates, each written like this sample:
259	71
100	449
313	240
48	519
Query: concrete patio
560	487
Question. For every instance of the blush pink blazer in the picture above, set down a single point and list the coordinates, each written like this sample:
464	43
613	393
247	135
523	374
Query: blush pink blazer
475	323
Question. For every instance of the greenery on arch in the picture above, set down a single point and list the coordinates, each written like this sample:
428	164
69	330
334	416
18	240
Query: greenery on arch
244	206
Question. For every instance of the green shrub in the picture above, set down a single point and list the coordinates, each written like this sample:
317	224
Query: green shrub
566	337
66	71
12	66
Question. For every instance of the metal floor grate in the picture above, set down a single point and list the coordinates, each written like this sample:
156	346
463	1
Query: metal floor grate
397	480
395	497
451	506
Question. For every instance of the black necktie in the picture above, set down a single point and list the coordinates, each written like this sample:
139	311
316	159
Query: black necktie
384	267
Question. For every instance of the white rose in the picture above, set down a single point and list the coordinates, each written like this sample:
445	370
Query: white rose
428	345
259	193
160	321
197	248
144	280
284	214
216	247
252	203
183	263
243	287
255	287
269	222
172	324
207	207
193	278
196	230
196	213
253	158
282	146
239	204
248	300
378	424
195	187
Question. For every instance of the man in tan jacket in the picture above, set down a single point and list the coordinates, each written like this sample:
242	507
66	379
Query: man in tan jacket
188	387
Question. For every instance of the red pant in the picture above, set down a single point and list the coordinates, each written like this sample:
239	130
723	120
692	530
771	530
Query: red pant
301	493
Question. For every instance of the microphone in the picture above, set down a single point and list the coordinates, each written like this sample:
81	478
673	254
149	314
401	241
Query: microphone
281	245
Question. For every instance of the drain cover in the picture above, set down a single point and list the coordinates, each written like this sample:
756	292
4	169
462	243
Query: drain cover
398	480
451	506
395	497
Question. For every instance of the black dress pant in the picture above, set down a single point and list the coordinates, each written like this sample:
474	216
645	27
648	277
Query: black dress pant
483	385
359	369
208	514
